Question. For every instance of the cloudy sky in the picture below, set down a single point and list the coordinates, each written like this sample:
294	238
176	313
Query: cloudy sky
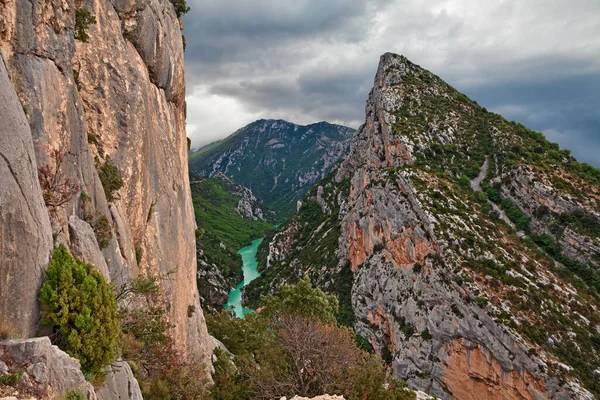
533	61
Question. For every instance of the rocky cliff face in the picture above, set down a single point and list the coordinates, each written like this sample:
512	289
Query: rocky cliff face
279	161
410	232
120	95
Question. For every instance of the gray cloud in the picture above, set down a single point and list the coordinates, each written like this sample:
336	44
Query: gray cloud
311	60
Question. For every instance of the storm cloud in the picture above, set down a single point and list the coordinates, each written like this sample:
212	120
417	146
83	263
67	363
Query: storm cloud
537	62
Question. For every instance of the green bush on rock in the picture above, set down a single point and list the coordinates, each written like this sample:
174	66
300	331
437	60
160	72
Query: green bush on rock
83	19
110	177
79	305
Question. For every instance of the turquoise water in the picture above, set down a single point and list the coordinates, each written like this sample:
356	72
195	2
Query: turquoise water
248	254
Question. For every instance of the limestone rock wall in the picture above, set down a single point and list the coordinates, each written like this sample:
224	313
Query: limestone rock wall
120	95
25	233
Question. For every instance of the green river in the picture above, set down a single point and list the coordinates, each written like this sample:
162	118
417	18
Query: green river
248	254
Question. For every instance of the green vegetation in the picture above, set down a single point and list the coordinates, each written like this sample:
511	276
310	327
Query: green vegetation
317	251
222	231
103	231
274	155
180	7
83	20
79	305
293	346
11	379
110	177
571	268
99	223
139	253
580	221
515	214
301	299
74	395
148	346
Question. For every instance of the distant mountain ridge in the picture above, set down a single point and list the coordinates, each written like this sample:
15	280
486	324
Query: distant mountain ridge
278	160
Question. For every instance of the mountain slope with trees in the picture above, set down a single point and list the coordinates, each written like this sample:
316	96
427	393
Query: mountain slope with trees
277	160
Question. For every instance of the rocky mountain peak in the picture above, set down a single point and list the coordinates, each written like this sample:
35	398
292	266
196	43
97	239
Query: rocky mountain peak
466	247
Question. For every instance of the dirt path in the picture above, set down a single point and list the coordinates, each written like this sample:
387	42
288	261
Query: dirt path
476	183
476	186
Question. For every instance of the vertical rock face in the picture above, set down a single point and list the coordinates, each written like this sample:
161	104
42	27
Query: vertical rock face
462	304
121	95
25	233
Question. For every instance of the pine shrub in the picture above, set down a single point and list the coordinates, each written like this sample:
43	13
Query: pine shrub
80	306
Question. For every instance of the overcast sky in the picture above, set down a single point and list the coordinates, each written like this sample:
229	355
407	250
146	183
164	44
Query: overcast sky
534	61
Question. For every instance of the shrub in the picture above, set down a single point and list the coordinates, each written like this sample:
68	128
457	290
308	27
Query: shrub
57	189
191	310
515	214
11	379
180	7
139	253
162	370
74	395
426	335
481	301
294	346
301	299
92	139
417	267
83	19
110	177
103	231
99	223
80	306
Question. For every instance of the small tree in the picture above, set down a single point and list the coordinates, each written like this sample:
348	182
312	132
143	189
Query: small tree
303	300
80	306
57	189
83	19
180	7
110	177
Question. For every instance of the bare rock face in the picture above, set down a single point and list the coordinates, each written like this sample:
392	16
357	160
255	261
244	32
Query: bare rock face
52	370
120	384
120	95
85	246
25	233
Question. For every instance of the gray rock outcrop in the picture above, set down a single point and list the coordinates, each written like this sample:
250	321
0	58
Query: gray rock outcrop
52	370
120	384
85	246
